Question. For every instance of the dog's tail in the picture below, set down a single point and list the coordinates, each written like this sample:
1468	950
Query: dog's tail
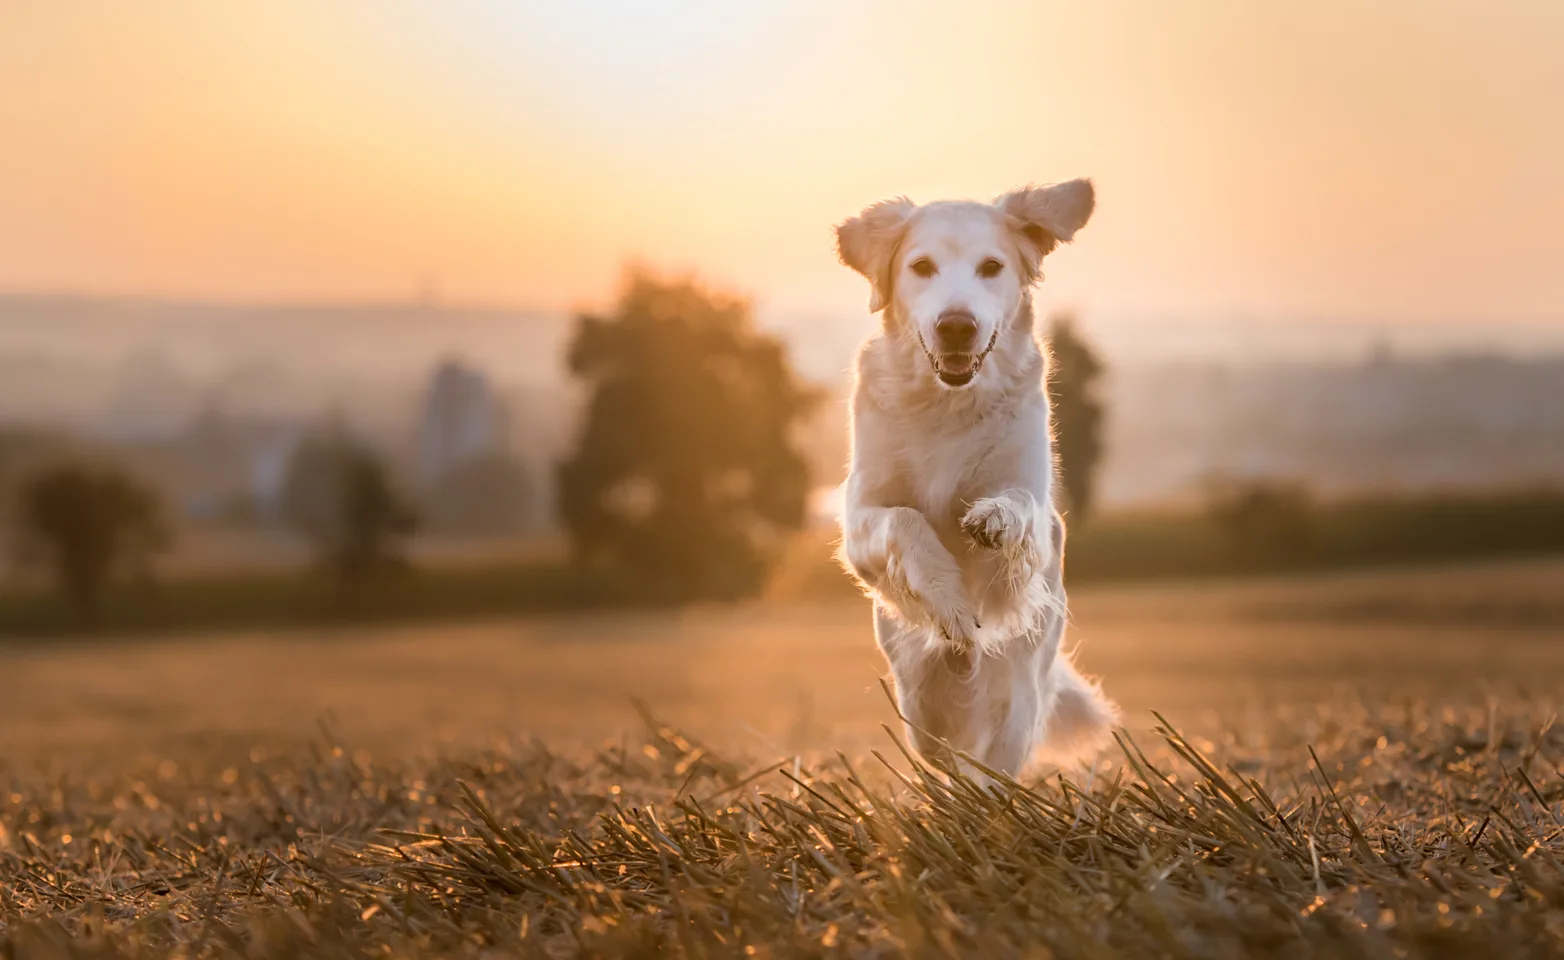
1082	719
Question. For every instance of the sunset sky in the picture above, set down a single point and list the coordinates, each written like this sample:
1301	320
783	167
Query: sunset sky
1400	159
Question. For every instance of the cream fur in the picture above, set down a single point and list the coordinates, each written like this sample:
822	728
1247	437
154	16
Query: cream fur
949	519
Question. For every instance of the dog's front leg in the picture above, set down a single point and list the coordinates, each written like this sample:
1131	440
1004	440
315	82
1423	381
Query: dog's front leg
1019	529
897	555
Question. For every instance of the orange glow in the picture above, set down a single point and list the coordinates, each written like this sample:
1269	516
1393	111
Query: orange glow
1398	159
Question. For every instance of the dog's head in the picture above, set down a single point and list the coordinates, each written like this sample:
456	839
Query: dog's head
954	274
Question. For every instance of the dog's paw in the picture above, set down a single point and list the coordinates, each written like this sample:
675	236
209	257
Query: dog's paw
923	594
1005	524
997	523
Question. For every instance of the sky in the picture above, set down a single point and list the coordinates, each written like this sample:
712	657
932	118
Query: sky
1321	161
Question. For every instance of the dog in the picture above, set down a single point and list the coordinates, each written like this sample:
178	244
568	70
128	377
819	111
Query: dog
949	521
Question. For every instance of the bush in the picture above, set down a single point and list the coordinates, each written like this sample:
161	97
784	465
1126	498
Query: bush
84	522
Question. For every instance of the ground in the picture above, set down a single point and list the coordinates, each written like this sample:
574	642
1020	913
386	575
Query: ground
776	675
232	793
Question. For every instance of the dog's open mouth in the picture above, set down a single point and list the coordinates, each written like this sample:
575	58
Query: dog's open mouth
958	369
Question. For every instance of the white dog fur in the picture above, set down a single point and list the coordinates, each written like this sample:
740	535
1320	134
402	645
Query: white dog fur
949	519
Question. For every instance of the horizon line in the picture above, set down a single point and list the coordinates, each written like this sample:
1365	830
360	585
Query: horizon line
370	302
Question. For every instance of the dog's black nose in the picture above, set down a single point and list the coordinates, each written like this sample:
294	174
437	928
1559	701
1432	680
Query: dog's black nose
956	331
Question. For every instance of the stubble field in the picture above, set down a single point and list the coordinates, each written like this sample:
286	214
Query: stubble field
1357	764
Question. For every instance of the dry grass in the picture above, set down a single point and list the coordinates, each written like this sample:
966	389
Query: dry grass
1411	831
1354	794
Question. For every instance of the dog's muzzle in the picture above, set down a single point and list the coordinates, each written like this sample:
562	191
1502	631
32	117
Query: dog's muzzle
958	369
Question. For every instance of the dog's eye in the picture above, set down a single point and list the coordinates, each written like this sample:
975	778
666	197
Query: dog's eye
924	267
990	268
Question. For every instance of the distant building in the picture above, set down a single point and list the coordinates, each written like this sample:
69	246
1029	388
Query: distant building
1390	423
218	464
462	421
269	457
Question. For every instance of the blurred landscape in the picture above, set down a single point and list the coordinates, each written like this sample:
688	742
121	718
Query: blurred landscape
421	438
208	397
318	655
208	401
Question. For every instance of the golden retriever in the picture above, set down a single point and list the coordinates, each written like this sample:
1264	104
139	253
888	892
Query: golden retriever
949	519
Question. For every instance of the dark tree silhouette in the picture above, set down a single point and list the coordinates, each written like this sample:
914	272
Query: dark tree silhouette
1077	411
340	495
84	521
686	474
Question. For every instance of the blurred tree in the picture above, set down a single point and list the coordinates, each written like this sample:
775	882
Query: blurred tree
22	452
82	521
686	474
340	495
1077	411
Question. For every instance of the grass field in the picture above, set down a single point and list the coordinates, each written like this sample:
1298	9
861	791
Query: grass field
491	789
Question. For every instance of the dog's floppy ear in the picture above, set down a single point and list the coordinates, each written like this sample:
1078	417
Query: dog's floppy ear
1048	216
867	243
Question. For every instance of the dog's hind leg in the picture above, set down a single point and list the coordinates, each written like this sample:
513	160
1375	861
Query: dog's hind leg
1012	704
933	689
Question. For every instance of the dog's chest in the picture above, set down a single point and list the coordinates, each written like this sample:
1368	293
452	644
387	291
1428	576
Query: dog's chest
942	471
